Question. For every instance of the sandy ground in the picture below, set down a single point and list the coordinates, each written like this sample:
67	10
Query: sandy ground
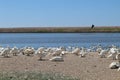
89	68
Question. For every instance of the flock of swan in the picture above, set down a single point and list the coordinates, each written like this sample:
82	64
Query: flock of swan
58	53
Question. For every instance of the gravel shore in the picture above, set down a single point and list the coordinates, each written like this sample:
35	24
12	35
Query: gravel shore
92	67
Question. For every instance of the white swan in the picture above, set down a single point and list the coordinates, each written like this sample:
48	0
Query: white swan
118	57
1	49
57	52
57	58
76	51
6	52
99	49
41	52
29	51
14	51
112	53
83	53
114	65
103	53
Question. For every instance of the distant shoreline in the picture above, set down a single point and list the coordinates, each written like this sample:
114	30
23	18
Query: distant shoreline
114	29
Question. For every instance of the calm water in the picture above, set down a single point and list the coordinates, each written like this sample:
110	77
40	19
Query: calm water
58	39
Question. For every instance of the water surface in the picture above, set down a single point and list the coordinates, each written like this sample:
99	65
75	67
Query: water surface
58	39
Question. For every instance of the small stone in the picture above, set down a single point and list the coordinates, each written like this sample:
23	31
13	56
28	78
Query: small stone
94	66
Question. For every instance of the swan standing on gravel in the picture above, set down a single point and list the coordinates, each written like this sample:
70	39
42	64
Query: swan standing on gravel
6	52
113	52
14	51
57	52
41	53
1	49
29	51
83	53
116	65
60	57
103	53
76	51
99	49
118	57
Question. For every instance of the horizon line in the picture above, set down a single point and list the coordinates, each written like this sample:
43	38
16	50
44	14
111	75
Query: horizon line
57	26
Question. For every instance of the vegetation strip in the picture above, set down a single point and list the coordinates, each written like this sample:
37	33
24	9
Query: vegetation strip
60	30
33	76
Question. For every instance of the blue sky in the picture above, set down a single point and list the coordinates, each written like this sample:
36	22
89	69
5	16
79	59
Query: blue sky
41	13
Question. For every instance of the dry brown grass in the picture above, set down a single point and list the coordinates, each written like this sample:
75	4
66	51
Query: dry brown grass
60	29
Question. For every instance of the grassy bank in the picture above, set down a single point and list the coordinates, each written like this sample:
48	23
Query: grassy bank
60	30
33	76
